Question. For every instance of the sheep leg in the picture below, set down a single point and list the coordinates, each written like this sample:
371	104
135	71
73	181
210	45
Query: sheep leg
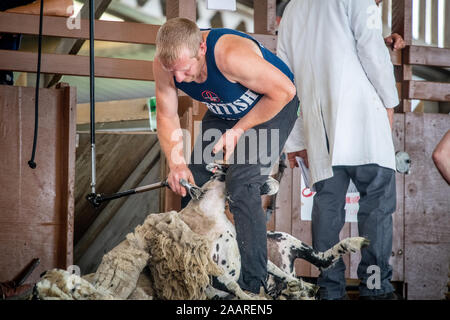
120	269
295	286
324	260
294	248
213	293
234	288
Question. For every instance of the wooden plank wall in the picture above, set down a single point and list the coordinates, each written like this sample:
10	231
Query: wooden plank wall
398	244
427	213
36	206
120	217
118	154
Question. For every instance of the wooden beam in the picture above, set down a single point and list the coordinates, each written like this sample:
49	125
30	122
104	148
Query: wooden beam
402	19
68	175
402	24
427	56
77	65
424	90
264	17
128	32
434	74
396	57
267	40
181	8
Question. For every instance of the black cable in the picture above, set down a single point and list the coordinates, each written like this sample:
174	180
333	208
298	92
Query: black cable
31	163
92	69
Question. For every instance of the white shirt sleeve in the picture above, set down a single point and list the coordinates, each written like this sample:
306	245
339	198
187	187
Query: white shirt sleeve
366	24
295	141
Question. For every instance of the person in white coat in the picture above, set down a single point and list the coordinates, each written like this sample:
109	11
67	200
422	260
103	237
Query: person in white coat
346	86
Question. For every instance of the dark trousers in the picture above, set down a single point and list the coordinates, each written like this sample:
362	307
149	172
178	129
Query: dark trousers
243	181
376	186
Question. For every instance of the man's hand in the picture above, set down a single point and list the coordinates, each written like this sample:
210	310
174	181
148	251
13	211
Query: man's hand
176	173
390	114
395	41
228	142
293	162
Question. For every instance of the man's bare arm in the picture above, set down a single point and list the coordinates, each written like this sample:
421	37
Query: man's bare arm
441	157
169	130
240	62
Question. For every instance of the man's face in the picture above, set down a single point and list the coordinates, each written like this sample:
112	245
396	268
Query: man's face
378	2
186	68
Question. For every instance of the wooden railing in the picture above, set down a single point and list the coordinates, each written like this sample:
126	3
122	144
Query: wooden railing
426	19
73	64
402	23
126	32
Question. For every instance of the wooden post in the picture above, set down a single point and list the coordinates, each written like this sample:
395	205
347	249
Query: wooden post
181	8
402	24
67	159
264	16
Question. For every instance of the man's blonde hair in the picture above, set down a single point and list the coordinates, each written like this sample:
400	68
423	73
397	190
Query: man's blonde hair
173	36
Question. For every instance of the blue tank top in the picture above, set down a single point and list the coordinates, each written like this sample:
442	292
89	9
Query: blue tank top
228	100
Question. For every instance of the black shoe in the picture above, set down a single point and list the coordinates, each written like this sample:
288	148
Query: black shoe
385	296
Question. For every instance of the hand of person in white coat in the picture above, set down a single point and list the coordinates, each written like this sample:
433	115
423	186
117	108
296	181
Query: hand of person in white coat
292	158
395	42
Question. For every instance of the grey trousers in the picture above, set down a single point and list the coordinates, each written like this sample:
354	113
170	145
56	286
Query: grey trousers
243	181
376	186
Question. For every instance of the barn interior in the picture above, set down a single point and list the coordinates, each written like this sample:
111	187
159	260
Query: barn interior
44	212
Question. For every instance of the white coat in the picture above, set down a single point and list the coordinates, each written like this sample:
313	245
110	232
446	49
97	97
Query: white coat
345	80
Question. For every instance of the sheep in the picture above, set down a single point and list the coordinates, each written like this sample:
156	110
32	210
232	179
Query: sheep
183	249
207	216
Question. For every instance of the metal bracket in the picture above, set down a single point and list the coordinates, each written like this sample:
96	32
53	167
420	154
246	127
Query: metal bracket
402	162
